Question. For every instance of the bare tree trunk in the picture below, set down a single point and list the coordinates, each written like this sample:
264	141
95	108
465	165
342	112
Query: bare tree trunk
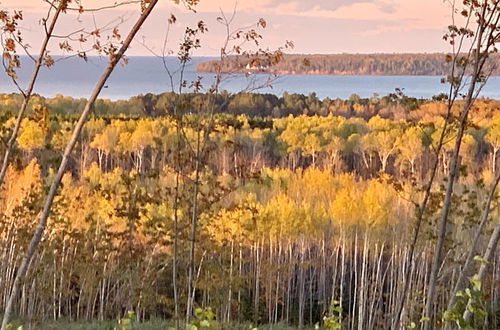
342	275
192	238
487	25
469	100
488	256
493	161
42	221
472	252
176	220
363	292
256	297
354	272
442	228
240	266
420	217
230	291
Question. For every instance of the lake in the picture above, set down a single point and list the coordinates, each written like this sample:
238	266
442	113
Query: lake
74	77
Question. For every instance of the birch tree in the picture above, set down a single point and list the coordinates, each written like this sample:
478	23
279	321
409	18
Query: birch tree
115	55
484	16
471	46
11	39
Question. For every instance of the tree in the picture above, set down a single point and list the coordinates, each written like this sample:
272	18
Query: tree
333	148
481	25
493	138
485	15
12	36
106	143
114	57
384	144
471	255
31	137
411	146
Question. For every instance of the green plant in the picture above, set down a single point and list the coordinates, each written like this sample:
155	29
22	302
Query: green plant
125	323
470	299
204	318
333	320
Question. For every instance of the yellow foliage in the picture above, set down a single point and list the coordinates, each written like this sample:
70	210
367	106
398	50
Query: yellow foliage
92	174
378	202
31	136
19	185
345	207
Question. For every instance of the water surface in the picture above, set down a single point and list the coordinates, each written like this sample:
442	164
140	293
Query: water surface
74	77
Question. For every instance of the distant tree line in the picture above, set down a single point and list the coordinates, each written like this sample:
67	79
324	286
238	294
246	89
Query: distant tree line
344	64
394	105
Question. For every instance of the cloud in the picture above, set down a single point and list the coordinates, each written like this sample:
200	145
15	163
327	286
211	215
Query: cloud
291	7
329	5
405	14
352	25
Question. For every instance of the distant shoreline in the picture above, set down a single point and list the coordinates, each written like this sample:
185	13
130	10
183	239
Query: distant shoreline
380	64
146	74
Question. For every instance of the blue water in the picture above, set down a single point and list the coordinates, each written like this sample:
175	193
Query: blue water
74	77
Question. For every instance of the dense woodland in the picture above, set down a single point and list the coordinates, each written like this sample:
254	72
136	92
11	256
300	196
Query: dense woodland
395	105
215	210
307	210
342	64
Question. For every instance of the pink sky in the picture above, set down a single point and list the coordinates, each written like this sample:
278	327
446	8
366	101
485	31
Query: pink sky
315	26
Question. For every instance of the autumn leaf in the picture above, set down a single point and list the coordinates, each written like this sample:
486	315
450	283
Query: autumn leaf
48	61
262	22
10	45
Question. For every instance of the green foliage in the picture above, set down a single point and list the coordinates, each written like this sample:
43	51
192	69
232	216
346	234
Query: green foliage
204	318
13	326
470	299
125	323
333	320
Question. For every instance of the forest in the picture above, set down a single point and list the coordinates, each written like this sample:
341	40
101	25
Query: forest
295	212
340	64
202	209
394	105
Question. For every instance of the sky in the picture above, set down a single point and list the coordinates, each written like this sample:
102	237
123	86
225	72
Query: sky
314	26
